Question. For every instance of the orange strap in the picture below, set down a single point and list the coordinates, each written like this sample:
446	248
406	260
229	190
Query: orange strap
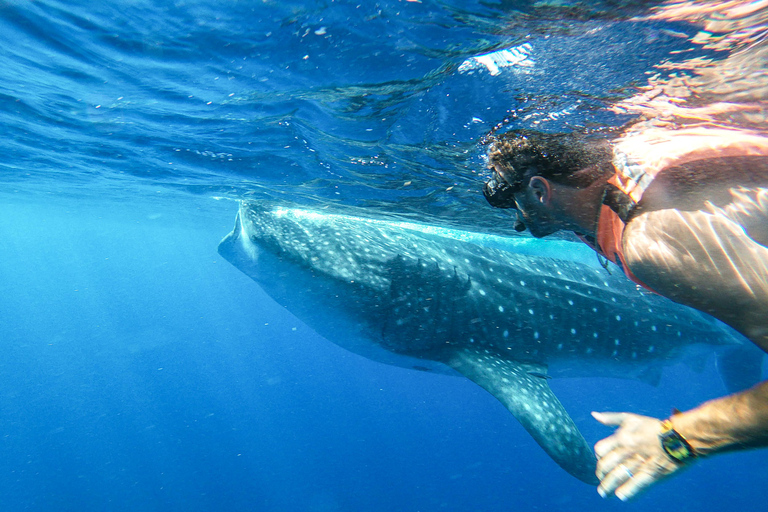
610	229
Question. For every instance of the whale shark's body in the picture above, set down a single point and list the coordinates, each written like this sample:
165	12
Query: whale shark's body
494	310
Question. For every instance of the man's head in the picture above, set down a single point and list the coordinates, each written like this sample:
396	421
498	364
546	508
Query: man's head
528	164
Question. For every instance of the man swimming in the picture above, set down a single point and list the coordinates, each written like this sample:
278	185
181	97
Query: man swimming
684	213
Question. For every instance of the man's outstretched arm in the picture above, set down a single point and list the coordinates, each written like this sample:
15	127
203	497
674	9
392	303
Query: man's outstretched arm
633	458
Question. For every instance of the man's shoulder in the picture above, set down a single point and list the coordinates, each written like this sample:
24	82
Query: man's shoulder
658	148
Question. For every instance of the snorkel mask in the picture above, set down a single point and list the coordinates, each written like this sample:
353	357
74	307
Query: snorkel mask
500	193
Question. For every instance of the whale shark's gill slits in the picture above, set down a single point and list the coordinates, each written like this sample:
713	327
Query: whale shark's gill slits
422	303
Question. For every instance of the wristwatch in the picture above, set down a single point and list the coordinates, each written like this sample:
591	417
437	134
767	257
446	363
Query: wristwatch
675	445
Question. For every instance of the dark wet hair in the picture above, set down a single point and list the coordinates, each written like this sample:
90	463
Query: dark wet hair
572	159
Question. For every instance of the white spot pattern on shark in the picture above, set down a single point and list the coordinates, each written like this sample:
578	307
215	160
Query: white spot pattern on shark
435	298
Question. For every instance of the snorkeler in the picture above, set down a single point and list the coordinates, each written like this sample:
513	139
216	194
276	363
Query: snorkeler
684	213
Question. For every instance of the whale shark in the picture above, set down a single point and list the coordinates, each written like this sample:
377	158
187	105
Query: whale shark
506	313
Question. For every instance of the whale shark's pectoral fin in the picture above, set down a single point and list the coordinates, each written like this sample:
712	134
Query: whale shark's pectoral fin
523	390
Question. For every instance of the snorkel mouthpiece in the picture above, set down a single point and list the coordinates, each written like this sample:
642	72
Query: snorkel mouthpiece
519	226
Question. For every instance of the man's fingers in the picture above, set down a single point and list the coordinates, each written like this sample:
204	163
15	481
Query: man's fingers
611	460
635	485
612	419
619	475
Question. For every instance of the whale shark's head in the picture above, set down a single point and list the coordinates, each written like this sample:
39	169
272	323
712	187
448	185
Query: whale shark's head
345	264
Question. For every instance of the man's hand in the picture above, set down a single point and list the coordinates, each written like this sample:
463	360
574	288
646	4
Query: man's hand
632	458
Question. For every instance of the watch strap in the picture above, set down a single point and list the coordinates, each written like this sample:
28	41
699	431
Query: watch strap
675	445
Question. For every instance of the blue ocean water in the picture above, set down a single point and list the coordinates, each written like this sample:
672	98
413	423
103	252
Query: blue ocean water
141	371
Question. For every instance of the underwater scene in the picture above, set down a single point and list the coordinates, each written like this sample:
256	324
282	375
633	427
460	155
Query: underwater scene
248	260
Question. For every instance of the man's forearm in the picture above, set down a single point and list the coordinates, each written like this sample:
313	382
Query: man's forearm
734	422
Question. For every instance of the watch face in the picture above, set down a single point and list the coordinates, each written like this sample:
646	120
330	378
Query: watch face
676	447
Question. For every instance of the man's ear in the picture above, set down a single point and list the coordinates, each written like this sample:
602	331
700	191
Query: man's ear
540	189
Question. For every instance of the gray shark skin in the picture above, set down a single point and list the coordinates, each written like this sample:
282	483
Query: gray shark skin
448	301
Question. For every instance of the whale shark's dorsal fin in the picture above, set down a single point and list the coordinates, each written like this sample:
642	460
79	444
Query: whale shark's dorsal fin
522	390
